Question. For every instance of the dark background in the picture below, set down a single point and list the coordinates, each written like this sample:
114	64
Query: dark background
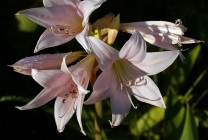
17	89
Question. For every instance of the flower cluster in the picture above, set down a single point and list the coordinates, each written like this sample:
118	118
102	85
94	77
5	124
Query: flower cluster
124	72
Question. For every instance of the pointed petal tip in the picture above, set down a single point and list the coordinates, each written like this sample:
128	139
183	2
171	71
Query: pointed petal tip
60	130
18	13
13	65
82	131
20	107
113	125
36	50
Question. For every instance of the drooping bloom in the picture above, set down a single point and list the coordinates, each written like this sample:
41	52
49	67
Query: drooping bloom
68	86
126	74
63	20
160	33
43	62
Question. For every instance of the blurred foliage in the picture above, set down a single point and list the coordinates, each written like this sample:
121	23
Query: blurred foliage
184	85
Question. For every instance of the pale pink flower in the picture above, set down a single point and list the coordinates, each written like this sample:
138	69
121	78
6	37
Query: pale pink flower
68	86
160	33
125	74
43	62
63	20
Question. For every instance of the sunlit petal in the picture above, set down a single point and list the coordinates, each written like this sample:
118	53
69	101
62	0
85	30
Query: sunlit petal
134	49
148	93
156	62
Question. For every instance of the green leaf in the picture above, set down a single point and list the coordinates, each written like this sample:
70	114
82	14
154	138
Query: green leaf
190	60
148	120
190	129
174	116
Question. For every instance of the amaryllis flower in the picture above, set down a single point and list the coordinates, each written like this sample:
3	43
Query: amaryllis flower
63	20
43	62
68	86
160	33
126	74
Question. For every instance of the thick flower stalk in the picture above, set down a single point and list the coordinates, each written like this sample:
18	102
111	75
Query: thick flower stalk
68	86
126	74
160	33
63	20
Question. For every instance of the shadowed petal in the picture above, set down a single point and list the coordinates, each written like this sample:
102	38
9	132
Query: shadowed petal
48	39
134	49
161	40
156	62
104	54
102	88
120	106
154	26
148	93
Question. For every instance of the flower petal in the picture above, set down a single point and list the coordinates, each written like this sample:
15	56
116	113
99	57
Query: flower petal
156	62
63	111
46	95
120	106
82	71
48	39
134	49
65	107
39	62
79	111
161	40
87	7
51	16
102	88
50	78
50	3
148	93
104	54
154	26
186	40
81	38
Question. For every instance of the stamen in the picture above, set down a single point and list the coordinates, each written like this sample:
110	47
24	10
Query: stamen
129	83
61	30
111	124
66	95
121	84
178	22
129	96
141	82
63	101
183	50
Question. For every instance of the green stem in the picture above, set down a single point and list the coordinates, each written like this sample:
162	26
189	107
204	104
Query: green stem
98	117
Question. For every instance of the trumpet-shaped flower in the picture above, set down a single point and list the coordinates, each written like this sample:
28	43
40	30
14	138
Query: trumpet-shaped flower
68	86
125	74
63	20
160	33
43	62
